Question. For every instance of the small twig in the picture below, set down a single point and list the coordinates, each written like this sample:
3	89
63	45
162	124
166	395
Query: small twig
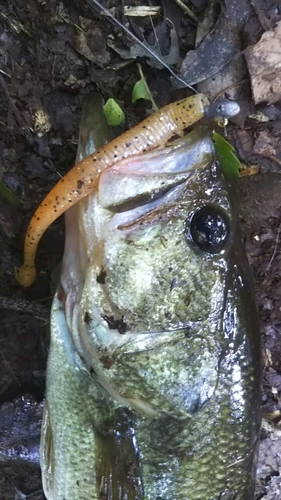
235	84
141	11
16	26
187	11
4	73
275	248
146	47
23	496
264	22
155	34
273	158
71	24
154	105
19	495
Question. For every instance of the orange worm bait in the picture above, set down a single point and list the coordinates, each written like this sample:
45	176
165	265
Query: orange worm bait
83	178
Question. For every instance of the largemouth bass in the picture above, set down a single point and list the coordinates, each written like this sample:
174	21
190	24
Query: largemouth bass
153	378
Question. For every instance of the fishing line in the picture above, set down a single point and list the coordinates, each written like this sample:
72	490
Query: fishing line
144	46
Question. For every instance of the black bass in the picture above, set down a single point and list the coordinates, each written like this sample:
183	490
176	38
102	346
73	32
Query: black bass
153	379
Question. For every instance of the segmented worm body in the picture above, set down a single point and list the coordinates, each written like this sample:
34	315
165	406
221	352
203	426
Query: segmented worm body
83	178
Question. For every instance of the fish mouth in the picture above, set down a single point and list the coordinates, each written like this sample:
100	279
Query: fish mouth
128	184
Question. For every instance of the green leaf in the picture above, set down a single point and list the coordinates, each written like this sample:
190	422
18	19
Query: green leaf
140	91
226	156
113	113
9	195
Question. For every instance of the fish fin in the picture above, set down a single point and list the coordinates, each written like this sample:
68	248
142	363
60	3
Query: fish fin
118	462
47	457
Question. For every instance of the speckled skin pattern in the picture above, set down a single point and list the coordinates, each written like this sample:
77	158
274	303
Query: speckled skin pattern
153	380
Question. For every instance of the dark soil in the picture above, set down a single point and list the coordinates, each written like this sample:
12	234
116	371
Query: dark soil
52	54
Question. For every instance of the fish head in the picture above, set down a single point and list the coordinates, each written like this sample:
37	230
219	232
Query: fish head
161	279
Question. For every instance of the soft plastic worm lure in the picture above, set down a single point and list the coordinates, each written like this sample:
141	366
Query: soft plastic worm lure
83	179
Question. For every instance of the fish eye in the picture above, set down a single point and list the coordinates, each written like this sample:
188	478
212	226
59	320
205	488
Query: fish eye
209	228
220	109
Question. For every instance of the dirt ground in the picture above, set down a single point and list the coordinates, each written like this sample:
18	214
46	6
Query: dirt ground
54	53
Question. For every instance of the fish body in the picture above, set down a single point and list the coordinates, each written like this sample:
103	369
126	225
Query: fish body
153	379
